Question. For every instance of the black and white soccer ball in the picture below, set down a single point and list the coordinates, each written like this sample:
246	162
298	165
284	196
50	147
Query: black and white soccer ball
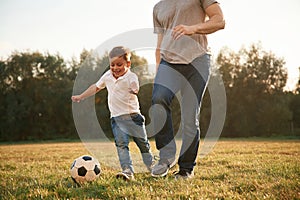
85	169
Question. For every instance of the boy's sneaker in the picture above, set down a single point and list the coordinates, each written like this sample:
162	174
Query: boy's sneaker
161	169
184	174
126	175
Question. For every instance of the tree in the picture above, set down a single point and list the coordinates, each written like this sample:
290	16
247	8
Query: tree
35	97
254	80
295	108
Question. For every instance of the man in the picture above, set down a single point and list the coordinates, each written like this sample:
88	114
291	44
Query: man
183	64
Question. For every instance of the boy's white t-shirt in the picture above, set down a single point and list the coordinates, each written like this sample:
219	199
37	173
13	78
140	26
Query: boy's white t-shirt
121	97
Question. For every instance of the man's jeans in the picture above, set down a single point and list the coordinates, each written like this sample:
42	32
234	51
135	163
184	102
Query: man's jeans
124	127
191	80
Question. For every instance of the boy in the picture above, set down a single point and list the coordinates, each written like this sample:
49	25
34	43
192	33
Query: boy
126	118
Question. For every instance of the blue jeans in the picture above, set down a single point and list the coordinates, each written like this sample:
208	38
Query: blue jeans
124	127
191	80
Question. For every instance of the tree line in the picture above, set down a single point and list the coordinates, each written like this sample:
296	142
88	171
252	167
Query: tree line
36	89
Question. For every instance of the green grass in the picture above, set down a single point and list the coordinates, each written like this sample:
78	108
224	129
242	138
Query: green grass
236	169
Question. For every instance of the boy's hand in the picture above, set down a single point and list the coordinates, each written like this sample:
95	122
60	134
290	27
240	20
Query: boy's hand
76	98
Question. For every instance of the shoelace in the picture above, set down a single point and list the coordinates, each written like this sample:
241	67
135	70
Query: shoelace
156	158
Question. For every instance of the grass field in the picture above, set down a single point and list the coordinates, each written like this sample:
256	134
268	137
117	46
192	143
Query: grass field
236	169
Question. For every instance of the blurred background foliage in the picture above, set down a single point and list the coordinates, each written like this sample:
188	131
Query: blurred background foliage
36	90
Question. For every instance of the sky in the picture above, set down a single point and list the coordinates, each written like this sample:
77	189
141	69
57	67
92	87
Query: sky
69	26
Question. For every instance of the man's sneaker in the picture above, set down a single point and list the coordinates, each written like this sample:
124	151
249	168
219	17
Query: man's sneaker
126	175
173	163
184	174
150	167
161	168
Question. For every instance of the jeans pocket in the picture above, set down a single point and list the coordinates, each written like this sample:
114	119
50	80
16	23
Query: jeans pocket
138	119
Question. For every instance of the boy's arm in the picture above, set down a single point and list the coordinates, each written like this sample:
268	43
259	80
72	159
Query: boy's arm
134	88
93	89
134	85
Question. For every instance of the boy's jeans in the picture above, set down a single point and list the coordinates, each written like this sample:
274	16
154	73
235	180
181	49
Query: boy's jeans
191	80
124	127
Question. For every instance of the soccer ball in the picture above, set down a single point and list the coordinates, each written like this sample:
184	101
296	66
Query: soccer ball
85	168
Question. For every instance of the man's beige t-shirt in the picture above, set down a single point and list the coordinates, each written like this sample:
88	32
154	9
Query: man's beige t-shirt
169	13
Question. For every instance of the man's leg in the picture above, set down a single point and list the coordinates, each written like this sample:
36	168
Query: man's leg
192	92
166	84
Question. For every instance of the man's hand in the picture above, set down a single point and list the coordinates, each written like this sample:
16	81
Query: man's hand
181	30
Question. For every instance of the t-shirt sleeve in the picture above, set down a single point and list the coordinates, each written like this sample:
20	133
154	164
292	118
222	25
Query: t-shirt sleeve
101	82
134	84
156	24
206	3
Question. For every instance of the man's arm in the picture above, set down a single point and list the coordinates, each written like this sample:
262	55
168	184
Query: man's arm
214	23
157	51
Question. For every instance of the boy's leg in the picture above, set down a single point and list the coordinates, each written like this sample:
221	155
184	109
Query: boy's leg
144	146
140	138
121	142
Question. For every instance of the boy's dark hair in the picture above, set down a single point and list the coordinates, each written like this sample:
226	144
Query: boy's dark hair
120	51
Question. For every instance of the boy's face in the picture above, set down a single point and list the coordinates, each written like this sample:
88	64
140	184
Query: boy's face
119	66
